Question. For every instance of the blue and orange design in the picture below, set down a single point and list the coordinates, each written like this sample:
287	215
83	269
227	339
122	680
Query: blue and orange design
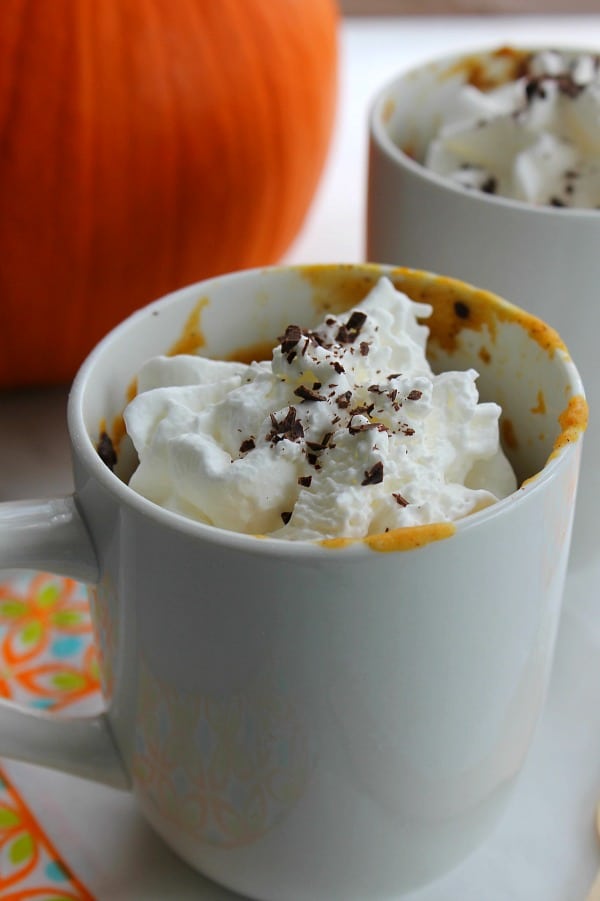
48	662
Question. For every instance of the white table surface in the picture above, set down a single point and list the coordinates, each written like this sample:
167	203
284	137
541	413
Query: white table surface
545	848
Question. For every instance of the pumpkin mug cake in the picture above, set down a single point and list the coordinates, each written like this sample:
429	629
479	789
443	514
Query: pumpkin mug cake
342	715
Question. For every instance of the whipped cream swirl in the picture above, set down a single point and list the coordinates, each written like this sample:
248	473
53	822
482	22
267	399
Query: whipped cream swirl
346	432
534	139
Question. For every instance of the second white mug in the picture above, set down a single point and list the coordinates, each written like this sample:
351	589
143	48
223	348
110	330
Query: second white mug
546	259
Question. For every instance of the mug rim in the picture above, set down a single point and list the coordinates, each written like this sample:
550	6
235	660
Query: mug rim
380	136
87	454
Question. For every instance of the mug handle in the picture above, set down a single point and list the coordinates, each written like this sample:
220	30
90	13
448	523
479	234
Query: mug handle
50	535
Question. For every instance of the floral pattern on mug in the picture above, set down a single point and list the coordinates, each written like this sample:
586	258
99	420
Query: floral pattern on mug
48	662
47	656
225	769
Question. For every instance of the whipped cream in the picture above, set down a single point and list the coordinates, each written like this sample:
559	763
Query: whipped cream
346	432
535	139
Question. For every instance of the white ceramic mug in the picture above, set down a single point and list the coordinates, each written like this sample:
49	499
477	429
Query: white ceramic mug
302	721
545	259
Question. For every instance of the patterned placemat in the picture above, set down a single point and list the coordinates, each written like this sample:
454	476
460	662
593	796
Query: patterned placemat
48	662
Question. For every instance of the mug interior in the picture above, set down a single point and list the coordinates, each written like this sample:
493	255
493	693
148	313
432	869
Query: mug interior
523	363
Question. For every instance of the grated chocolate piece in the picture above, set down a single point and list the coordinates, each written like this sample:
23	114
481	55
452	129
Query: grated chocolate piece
374	475
309	394
490	185
289	427
349	332
365	427
362	410
290	339
343	400
106	450
317	446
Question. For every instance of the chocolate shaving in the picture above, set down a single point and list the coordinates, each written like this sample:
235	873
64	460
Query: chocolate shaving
290	339
247	444
365	427
535	88
362	410
349	332
289	427
305	481
461	309
318	339
286	517
317	446
106	450
364	348
566	85
415	394
374	475
309	394
490	185
343	400
399	499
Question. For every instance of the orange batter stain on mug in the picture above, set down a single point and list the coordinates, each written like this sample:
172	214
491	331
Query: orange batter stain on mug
192	338
388	109
118	430
261	350
573	422
407	538
541	403
457	307
190	341
335	288
497	68
507	430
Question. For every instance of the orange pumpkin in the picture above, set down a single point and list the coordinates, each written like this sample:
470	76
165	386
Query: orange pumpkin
144	145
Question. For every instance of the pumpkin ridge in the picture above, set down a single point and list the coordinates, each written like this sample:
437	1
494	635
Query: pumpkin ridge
145	145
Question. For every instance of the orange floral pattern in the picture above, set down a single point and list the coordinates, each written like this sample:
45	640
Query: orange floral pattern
47	661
